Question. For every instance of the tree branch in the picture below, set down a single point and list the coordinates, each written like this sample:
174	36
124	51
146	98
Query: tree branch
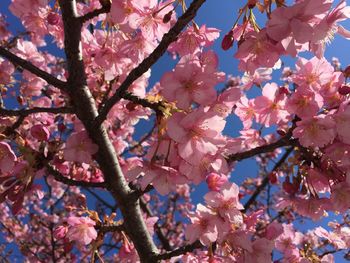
148	62
17	61
158	229
143	102
104	9
106	157
110	228
179	251
26	112
284	141
265	181
61	178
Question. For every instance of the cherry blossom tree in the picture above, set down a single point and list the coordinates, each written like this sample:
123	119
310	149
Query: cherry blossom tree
78	185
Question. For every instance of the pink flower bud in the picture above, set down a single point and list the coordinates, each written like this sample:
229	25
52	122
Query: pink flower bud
60	232
215	181
53	19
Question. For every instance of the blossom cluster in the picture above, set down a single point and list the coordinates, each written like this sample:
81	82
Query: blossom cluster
307	111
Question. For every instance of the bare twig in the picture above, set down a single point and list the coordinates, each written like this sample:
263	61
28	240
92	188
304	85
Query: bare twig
265	181
179	251
26	112
61	178
284	141
143	139
17	61
158	229
104	9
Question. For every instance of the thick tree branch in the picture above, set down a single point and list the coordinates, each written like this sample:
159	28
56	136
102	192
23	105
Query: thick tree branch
26	112
106	157
265	181
61	178
17	61
110	228
148	62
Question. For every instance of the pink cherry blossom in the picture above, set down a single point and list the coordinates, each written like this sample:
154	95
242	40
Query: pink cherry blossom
257	51
270	107
7	158
296	20
226	202
197	134
304	103
149	18
324	31
343	123
313	73
188	83
203	226
209	163
245	110
193	39
81	230
79	148
260	75
40	132
340	197
316	132
215	181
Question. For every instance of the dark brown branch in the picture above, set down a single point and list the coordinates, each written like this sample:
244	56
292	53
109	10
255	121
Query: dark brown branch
104	9
110	228
148	62
284	141
61	178
26	112
265	181
17	61
143	102
179	251
86	110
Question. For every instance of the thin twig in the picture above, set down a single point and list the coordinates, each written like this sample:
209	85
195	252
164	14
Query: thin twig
266	179
61	178
261	149
104	9
25	64
26	112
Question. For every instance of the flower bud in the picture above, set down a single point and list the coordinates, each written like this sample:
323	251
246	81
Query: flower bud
167	17
53	19
344	90
227	41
